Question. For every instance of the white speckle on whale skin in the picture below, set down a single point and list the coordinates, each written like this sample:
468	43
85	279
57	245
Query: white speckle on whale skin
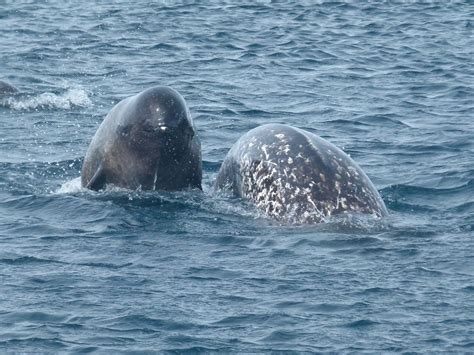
286	149
280	136
342	201
311	201
155	179
264	150
290	161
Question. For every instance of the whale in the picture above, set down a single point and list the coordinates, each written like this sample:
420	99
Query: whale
294	176
147	141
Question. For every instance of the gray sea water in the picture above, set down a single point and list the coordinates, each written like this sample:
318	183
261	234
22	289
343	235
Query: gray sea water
120	271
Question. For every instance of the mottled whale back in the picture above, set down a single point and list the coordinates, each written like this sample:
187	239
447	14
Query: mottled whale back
295	176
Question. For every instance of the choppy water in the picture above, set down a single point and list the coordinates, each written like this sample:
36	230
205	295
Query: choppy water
390	83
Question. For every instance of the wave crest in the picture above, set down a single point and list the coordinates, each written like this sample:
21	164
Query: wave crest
72	97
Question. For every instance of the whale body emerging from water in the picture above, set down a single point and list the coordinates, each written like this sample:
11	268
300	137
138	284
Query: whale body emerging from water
295	176
148	142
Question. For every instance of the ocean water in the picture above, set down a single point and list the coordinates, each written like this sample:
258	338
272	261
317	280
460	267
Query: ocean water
121	271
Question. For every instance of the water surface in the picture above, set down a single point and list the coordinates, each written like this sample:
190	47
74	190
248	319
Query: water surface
391	84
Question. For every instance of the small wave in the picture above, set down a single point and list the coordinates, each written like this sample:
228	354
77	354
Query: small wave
387	120
72	97
33	343
33	317
23	260
108	266
166	46
349	240
361	323
413	198
243	319
144	323
280	336
376	291
469	289
208	273
321	308
405	190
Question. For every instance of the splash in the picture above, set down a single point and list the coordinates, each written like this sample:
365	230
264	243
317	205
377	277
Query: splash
70	187
72	97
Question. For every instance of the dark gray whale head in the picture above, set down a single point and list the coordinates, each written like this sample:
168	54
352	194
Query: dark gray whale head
147	141
158	121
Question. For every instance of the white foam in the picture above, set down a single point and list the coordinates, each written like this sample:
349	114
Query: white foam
70	98
70	187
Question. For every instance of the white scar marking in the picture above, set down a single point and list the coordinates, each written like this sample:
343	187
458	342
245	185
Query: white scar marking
156	178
